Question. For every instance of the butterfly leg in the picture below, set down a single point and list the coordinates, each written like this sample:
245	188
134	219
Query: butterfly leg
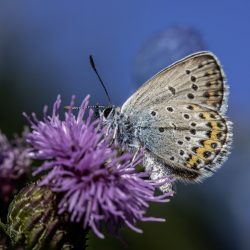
115	132
136	154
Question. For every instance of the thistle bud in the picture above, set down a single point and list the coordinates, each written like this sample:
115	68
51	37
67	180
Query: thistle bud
33	222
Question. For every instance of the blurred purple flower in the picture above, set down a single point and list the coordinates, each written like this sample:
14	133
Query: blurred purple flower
14	167
96	182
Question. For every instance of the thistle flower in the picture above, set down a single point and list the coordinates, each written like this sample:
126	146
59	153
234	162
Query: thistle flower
14	167
96	183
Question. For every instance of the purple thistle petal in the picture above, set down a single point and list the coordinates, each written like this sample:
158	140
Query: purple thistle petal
96	183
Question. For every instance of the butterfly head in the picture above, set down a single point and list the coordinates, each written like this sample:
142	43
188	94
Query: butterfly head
107	112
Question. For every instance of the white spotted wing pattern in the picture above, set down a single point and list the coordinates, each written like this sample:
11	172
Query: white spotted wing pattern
178	116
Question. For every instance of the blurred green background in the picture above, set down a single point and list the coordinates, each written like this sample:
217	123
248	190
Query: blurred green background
44	49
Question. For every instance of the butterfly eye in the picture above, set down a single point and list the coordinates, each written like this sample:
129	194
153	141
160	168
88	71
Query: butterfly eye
107	111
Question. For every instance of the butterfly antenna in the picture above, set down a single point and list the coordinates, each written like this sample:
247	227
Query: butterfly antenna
70	107
91	60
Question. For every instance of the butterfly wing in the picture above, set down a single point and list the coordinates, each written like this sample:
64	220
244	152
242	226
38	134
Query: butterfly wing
189	137
178	116
198	79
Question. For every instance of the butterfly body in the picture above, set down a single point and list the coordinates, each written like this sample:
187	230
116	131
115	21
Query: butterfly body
178	117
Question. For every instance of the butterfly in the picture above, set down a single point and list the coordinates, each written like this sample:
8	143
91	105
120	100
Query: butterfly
178	117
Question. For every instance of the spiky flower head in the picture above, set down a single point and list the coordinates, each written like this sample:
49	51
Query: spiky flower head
95	182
